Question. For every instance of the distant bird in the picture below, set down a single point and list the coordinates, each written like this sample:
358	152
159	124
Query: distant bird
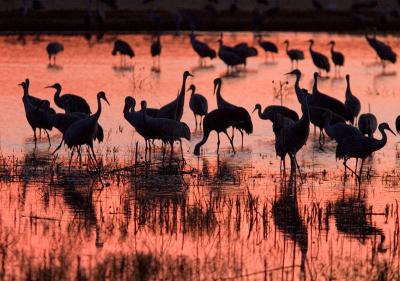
36	116
198	104
299	92
398	124
367	123
320	61
268	47
222	103
339	131
53	48
70	102
337	57
245	51
174	109
292	138
202	49
123	49
294	54
270	112
229	56
84	131
384	51
38	102
322	100
352	103
155	49
360	147
220	120
167	130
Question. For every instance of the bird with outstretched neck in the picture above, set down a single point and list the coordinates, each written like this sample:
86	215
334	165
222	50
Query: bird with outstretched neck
219	120
84	131
70	102
360	147
270	112
174	109
320	60
293	54
198	104
351	102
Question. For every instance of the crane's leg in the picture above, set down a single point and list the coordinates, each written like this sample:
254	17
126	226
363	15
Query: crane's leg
218	142
58	147
233	133
55	60
94	157
78	149
231	141
241	132
180	142
34	136
195	118
298	168
70	159
356	163
48	137
362	164
164	150
172	152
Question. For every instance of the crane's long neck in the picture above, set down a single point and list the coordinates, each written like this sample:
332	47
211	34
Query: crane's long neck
383	140
259	112
183	89
310	47
206	134
348	90
305	119
128	108
315	86
297	88
218	93
332	48
287	47
98	112
57	96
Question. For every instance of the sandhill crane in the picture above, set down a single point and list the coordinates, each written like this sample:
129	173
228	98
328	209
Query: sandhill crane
53	48
220	120
124	49
292	138
398	124
35	116
167	130
267	46
352	103
84	131
229	56
384	51
337	57
202	49
360	147
320	61
174	109
245	51
69	102
198	104
293	54
224	104
339	131
155	49
270	112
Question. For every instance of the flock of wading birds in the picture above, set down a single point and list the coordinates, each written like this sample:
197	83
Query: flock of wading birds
80	127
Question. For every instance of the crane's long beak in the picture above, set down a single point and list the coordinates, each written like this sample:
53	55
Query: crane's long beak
392	131
254	110
190	74
106	100
48	87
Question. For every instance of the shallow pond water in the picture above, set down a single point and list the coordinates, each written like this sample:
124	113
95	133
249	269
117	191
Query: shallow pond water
215	217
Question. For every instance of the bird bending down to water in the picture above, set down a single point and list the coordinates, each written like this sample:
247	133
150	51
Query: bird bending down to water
84	131
293	137
384	51
174	109
320	60
70	102
360	147
166	130
202	49
337	58
293	54
198	104
352	103
124	49
53	48
220	120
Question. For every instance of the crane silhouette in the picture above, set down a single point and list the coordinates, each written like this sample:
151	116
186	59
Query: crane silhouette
360	147
83	132
267	46
53	48
339	131
198	104
167	130
36	116
351	102
202	49
320	60
222	103
123	49
293	54
384	51
219	120
245	51
174	109
293	137
155	50
270	112
229	56
337	57
70	102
